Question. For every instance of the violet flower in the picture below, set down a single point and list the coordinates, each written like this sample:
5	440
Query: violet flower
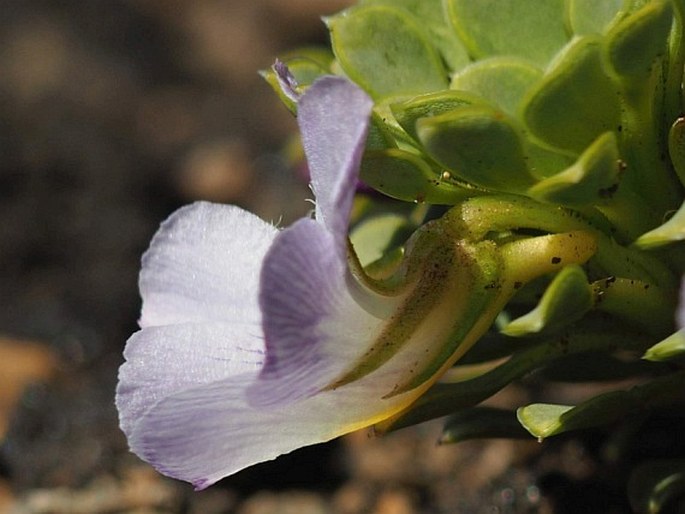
249	333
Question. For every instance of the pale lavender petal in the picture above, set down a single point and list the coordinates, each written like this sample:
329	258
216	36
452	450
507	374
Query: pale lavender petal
162	361
333	116
286	80
203	265
204	434
680	315
305	302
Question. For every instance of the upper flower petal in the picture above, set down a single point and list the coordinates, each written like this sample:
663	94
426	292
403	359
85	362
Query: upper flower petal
333	116
203	265
312	326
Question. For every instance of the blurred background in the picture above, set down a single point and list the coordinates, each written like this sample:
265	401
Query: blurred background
112	115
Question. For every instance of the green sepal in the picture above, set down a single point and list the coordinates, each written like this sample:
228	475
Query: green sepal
405	176
531	30
430	14
576	101
480	145
670	348
386	51
671	231
566	299
443	286
593	16
592	179
545	420
449	397
654	484
633	44
481	423
407	112
500	80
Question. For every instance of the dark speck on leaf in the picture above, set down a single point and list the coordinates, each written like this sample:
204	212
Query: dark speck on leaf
556	260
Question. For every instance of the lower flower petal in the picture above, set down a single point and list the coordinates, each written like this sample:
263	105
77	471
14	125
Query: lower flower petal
161	361
203	265
203	434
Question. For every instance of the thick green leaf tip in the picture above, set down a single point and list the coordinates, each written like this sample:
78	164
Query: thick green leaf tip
542	419
576	101
636	41
479	144
591	180
670	348
565	301
670	232
531	30
500	80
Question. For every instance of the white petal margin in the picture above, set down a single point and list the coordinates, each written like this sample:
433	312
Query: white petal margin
203	265
162	361
208	432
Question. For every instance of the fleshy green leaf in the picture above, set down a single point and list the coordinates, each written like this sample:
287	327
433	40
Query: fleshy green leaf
431	14
592	179
566	300
576	101
501	80
531	30
593	16
481	423
545	420
671	231
542	419
636	41
386	51
478	144
432	104
670	348
447	398
405	176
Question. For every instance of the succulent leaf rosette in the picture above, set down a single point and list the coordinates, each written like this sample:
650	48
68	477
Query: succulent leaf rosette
530	160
